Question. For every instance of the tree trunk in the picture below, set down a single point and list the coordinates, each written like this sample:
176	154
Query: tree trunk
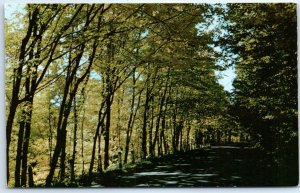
151	127
82	140
161	144
99	165
144	128
160	111
107	132
30	177
25	126
59	137
63	154
163	128
54	160
131	117
188	136
19	148
181	135
98	134
26	144
74	143
9	123
175	126
51	133
174	137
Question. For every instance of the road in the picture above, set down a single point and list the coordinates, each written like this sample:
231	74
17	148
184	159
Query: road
221	166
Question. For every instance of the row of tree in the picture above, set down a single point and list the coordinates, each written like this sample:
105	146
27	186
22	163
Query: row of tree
127	82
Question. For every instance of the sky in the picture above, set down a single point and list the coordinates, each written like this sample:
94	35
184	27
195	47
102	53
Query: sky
227	78
11	8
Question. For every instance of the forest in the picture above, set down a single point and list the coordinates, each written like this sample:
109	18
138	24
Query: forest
97	92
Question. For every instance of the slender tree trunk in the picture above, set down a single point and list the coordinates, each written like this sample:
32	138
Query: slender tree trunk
159	145
19	149
99	165
59	136
120	104
82	141
9	123
108	103
158	119
30	177
174	137
26	144
98	134
128	137
180	140
153	144
74	142
63	154
188	135
151	127
144	128
54	160
175	126
165	143
25	127
67	112
129	125
107	132
181	134
163	130
60	147
50	132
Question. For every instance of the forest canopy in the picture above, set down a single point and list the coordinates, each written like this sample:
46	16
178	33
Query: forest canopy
91	88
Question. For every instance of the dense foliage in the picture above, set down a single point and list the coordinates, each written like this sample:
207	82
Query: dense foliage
264	36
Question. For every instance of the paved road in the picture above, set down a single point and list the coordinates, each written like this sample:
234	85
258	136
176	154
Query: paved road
223	166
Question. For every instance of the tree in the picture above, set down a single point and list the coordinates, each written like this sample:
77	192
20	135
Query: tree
262	36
